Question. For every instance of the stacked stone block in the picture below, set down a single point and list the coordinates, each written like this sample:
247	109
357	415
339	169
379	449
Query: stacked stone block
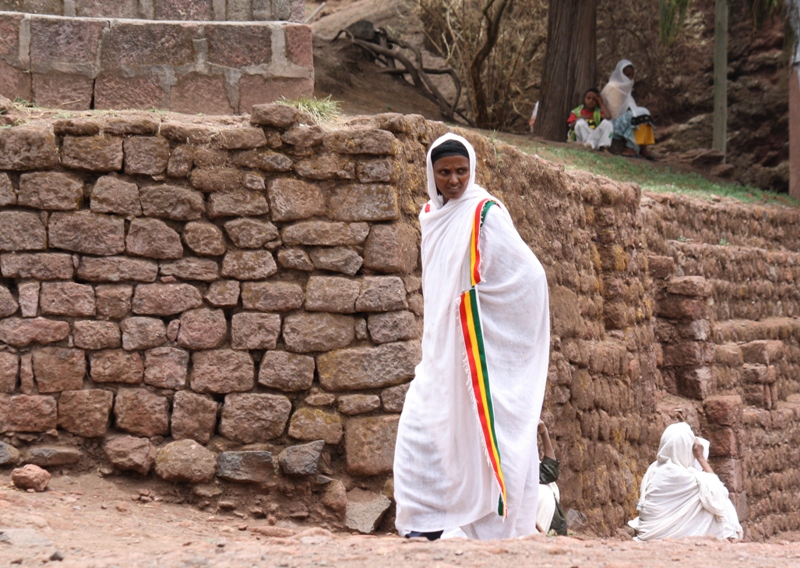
216	67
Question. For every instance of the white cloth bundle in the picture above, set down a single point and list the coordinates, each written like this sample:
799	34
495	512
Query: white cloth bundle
442	476
677	499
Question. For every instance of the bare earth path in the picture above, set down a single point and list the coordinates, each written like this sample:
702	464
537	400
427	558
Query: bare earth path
94	522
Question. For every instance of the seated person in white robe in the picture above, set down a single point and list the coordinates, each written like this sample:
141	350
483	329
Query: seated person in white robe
549	515
681	495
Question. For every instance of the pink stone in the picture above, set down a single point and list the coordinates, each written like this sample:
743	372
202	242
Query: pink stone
232	45
154	239
58	369
22	332
116	366
203	329
89	334
223	293
172	202
51	191
142	333
113	301
8	305
369	444
165	299
141	412
255	90
204	239
59	90
194	416
85	412
87	233
117	269
92	153
115	91
272	296
27	148
286	371
113	195
67	299
145	43
165	367
196	93
131	453
222	371
298	45
30	477
9	370
31	413
248	265
291	200
146	155
251	330
248	418
21	230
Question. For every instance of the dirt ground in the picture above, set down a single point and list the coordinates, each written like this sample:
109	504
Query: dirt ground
90	521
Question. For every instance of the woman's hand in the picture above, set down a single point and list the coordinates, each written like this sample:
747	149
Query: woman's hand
542	428
697	450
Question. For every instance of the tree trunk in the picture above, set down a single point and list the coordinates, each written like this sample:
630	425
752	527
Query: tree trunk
720	76
569	65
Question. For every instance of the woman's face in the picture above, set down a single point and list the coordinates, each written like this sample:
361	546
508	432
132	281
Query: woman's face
451	175
629	72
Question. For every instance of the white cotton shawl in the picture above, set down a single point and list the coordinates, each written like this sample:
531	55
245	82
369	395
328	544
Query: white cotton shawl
677	499
442	476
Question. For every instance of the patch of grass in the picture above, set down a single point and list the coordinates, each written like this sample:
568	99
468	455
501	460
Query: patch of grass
323	110
658	177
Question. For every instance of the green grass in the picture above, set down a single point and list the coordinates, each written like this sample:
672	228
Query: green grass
323	110
656	177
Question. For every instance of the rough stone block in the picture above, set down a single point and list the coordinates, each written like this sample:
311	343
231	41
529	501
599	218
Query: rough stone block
694	382
58	369
28	294
239	137
250	330
286	371
68	91
365	510
113	301
363	202
368	367
251	233
298	44
183	10
695	286
264	160
141	412
373	171
724	410
723	443
203	329
257	89
295	259
7	194
222	371
248	265
301	459
194	417
71	43
67	299
381	294
87	233
393	398
392	249
117	269
132	124
130	453
92	153
215	178
689	354
85	412
166	368
90	334
232	45
238	203
352	404
132	44
204	239
331	294
103	9
31	413
9	370
52	191
165	299
325	166
113	90
154	239
361	141
142	333
202	269
392	326
25	148
30	477
336	259
116	366
369	444
22	332
113	195
275	115
316	424
323	233
679	307
172	202
305	332
254	466
272	296
39	266
185	461
249	418
180	161
223	293
21	230
51	456
8	305
291	200
764	352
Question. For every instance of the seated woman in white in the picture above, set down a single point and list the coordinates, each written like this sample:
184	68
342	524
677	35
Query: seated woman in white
681	495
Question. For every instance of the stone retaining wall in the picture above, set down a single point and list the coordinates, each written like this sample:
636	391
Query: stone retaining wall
192	67
237	305
195	10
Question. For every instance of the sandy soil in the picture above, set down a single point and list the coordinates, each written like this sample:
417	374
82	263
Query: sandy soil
90	521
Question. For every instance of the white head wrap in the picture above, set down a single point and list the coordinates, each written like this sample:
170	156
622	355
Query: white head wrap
618	93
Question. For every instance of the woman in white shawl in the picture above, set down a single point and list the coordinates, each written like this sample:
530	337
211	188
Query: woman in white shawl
466	459
681	495
626	116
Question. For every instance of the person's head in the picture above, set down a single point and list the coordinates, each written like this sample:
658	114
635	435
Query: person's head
629	71
676	445
590	99
450	162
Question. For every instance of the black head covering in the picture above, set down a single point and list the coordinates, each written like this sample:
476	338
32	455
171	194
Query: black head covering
448	148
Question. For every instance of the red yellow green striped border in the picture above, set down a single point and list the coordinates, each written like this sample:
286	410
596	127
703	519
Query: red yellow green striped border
469	312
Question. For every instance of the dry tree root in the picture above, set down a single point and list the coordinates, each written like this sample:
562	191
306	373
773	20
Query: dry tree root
392	53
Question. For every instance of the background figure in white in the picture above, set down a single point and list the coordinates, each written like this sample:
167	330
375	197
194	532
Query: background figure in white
590	122
549	514
596	138
681	495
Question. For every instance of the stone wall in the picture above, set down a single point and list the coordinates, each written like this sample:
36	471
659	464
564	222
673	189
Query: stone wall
237	305
192	67
193	10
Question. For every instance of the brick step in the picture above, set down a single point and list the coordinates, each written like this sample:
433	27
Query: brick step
744	331
200	10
